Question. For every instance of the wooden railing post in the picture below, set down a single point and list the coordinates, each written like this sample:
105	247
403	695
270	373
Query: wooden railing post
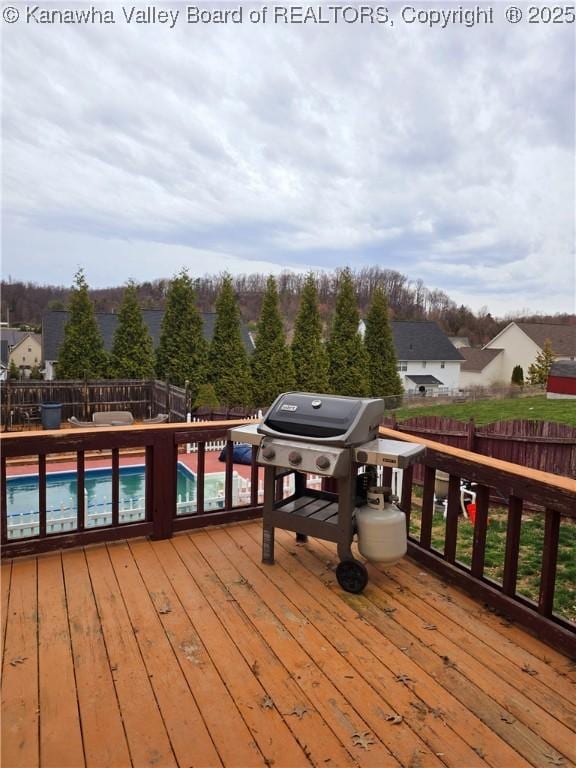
165	455
510	575
549	561
427	507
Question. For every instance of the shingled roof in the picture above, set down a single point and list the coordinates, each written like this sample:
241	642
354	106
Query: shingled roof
53	323
562	337
422	340
4	352
566	369
477	359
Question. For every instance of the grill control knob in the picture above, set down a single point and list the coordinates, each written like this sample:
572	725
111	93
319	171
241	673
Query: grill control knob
294	457
322	462
268	453
362	457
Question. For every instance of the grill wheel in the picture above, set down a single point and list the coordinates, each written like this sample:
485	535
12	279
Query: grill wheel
352	576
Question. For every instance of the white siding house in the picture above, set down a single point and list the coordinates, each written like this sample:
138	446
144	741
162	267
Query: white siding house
481	367
521	342
427	361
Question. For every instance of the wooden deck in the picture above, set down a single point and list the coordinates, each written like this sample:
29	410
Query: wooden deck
189	652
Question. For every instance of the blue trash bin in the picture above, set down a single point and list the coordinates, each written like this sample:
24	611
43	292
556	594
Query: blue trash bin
51	415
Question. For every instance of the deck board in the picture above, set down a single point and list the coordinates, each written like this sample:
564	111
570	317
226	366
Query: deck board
20	743
60	734
103	732
489	676
191	652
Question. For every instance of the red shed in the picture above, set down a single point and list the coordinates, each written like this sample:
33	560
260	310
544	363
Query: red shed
562	379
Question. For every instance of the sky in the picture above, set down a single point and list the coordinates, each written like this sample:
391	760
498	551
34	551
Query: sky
447	154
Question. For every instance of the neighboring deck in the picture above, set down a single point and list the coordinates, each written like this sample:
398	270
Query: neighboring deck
190	652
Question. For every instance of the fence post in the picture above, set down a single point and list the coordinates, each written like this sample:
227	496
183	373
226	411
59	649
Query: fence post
471	435
85	404
167	389
8	416
165	454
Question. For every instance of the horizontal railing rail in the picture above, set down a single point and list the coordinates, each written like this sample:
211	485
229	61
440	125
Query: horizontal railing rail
515	487
163	512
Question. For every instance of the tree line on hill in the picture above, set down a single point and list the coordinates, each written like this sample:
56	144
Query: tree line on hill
222	372
408	300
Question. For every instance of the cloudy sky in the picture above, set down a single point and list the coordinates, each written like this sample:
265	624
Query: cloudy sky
447	154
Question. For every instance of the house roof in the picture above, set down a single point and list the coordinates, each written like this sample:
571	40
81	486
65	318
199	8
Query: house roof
53	323
426	380
28	334
565	369
562	337
4	352
422	340
12	336
477	359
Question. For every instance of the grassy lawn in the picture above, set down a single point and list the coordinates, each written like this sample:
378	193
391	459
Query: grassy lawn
486	411
530	554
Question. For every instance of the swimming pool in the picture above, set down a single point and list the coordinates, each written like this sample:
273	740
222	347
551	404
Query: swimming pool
61	491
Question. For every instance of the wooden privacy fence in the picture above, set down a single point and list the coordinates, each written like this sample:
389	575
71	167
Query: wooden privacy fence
78	398
544	445
166	398
518	486
20	401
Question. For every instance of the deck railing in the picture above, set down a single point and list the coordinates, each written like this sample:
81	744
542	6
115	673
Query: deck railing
504	485
162	515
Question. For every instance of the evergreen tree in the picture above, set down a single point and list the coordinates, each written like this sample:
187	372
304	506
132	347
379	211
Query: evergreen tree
308	351
272	367
13	371
132	354
36	373
518	375
540	368
81	354
206	397
228	367
348	367
382	362
182	351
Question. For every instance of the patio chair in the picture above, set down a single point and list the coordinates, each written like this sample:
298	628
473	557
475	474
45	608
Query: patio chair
112	418
77	423
159	419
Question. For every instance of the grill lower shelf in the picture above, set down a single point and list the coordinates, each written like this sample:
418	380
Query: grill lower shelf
310	515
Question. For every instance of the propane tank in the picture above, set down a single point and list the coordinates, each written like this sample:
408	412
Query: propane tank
381	528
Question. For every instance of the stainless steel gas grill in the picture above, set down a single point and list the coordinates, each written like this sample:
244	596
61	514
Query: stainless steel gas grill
334	437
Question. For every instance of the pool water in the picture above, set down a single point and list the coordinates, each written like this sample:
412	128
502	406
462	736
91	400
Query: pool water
61	490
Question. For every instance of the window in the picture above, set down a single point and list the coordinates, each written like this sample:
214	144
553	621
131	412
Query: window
29	349
424	364
442	364
402	366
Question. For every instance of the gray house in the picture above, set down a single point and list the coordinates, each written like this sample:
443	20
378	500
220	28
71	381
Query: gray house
53	323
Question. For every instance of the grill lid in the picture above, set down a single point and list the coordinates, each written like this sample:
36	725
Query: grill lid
337	420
